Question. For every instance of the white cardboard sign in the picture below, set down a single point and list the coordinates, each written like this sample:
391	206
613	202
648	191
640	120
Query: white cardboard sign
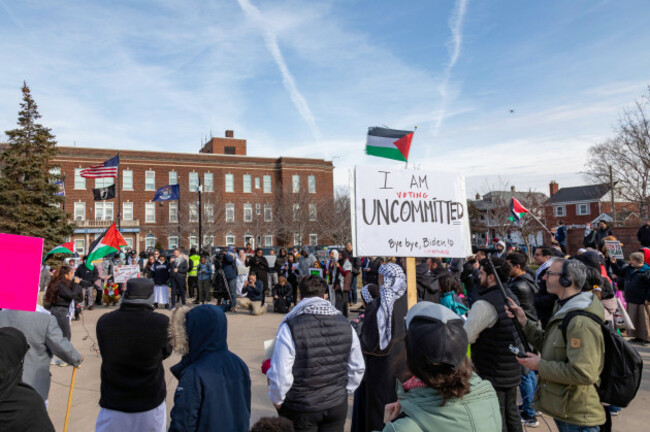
126	272
614	249
402	212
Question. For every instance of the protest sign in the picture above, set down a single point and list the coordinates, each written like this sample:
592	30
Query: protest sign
19	289
614	249
409	213
316	272
126	272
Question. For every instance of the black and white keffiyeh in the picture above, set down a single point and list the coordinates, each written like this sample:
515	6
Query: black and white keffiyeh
312	306
365	294
393	288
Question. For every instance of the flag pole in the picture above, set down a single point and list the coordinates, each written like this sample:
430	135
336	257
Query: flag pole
540	222
119	195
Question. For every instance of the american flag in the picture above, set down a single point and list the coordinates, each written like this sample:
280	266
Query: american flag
105	169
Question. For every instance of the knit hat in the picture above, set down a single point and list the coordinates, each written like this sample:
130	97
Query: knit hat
436	333
138	288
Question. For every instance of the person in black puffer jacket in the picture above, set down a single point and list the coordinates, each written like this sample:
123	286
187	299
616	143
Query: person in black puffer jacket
62	290
522	284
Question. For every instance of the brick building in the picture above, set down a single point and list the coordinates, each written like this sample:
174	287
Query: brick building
266	201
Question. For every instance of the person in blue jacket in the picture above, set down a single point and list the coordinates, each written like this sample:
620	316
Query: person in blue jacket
214	385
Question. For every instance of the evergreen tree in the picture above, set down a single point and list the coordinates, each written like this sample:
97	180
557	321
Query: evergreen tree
28	204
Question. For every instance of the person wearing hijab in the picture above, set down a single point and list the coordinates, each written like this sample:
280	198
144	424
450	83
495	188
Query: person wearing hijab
382	342
214	385
21	407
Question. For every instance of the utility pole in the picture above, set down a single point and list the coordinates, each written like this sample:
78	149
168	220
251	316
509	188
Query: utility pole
611	189
199	189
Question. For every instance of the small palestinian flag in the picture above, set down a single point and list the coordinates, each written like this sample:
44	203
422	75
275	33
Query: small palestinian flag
106	244
517	210
389	143
65	248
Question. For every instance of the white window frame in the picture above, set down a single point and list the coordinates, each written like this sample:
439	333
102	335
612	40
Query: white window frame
101	208
561	212
208	182
127	180
194	211
102	182
193	182
268	212
579	213
295	183
311	184
173	212
257	182
313	215
172	241
209	212
267	184
79	182
79	211
194	241
230	212
313	239
150	180
173	178
247	183
150	212
297	240
268	240
129	242
249	238
127	215
248	212
230	239
80	246
229	183
150	241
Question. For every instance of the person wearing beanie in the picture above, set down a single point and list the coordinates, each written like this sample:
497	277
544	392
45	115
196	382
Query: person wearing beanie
444	394
133	342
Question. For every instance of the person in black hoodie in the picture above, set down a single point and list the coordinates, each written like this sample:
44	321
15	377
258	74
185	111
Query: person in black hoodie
87	282
602	232
62	290
133	342
21	407
544	301
644	234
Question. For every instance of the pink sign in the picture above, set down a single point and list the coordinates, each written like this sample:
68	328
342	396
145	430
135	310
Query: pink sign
21	261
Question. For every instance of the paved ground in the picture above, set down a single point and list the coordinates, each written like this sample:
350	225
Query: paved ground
246	335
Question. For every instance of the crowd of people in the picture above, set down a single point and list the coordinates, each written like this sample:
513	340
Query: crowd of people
489	346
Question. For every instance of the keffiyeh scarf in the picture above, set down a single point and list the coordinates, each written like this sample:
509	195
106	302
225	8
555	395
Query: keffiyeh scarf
543	267
393	288
312	306
365	294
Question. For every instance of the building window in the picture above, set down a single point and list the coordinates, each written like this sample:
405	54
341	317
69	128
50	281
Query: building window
103	182
150	212
268	240
295	181
149	241
230	182
104	211
248	238
248	212
129	242
230	212
312	212
173	178
208	182
313	239
127	211
267	184
80	246
172	241
296	212
209	212
194	212
559	211
257	182
150	180
297	241
173	212
582	209
79	182
247	183
208	241
230	239
194	181
268	213
258	209
229	150
194	241
127	180
80	211
311	184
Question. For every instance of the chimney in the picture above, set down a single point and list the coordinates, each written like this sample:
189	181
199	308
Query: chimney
553	188
230	134
478	196
512	188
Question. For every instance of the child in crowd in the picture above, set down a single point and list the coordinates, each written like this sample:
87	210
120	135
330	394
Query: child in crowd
449	290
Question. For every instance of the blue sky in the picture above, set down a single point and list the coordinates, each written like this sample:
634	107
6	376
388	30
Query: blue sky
306	78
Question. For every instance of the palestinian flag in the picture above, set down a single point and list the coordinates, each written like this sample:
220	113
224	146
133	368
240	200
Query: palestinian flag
65	248
389	143
107	243
517	210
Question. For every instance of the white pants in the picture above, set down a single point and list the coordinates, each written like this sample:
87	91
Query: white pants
154	420
161	294
241	281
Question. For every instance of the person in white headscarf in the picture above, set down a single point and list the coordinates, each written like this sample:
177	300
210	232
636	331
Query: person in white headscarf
382	342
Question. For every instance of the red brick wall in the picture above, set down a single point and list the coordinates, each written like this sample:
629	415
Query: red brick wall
626	235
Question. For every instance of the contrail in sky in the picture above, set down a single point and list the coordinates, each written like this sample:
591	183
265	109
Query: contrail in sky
456	27
13	18
271	41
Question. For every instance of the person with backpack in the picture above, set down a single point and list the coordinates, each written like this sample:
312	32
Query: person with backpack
568	367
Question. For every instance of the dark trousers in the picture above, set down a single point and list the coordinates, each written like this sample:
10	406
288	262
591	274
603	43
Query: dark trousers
328	420
192	283
204	291
341	302
510	420
353	290
232	288
178	289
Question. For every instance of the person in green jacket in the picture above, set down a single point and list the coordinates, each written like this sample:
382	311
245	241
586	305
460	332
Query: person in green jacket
444	394
568	369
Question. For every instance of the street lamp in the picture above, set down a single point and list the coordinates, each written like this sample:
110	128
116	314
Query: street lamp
199	190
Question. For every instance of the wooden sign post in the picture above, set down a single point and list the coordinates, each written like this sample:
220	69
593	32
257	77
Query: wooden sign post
412	289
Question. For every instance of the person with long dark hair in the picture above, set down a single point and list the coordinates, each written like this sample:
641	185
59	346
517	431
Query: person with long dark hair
288	271
62	290
259	266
